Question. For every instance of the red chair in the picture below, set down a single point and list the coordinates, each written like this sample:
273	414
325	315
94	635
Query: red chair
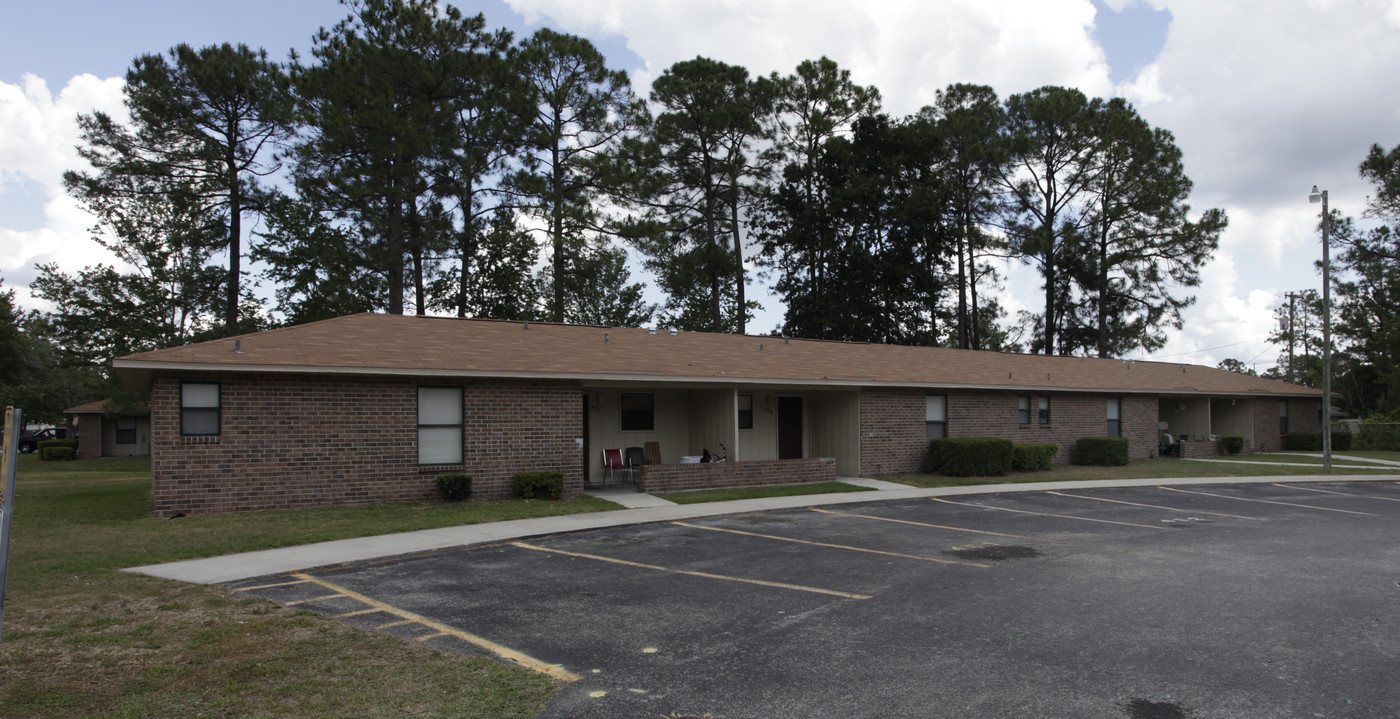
612	461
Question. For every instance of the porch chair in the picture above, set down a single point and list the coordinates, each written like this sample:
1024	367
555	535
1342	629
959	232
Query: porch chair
636	457
653	452
612	461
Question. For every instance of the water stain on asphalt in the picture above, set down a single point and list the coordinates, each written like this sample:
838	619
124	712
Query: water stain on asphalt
1140	708
995	552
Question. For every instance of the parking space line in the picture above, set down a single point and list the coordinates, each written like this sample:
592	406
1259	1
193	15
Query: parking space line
553	670
1153	506
1333	491
832	546
270	586
435	635
707	575
1266	501
399	623
926	524
313	600
1047	514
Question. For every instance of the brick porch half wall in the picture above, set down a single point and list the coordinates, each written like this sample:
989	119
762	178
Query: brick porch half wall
662	478
290	441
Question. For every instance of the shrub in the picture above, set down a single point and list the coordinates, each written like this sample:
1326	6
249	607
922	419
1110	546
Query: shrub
971	456
1232	443
47	444
1341	441
1303	441
539	485
1101	451
57	453
1032	457
454	487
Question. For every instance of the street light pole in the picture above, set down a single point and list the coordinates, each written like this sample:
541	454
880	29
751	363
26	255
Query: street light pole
1326	335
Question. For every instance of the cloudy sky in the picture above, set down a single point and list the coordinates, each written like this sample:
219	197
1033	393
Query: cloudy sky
1266	98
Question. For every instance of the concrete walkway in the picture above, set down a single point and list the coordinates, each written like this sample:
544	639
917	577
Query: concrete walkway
1300	464
233	567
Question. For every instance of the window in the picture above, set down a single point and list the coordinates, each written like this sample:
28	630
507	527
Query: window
745	411
1044	410
199	409
1115	426
1023	411
1283	416
638	412
935	417
126	430
439	425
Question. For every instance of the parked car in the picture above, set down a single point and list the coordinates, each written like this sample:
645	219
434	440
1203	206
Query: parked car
29	443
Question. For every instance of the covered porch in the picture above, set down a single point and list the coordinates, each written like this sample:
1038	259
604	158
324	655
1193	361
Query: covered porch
767	434
1198	422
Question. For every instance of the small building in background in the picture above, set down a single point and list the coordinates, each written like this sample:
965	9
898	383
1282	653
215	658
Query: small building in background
105	430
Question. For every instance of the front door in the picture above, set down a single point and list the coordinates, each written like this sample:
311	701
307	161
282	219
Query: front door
789	428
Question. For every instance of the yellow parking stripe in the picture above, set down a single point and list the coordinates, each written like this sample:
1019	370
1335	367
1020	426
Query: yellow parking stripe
1154	506
1266	501
553	670
1333	491
270	586
832	546
435	635
921	524
1047	514
707	575
399	623
312	600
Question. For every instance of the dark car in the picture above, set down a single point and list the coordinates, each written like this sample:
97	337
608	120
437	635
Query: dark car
30	442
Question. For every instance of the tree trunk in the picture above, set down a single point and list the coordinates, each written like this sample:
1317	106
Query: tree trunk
557	228
468	248
235	232
738	254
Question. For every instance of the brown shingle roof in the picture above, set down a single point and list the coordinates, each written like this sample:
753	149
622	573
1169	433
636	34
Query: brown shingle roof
392	344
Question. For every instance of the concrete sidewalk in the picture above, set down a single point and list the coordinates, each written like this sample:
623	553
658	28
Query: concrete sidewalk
234	567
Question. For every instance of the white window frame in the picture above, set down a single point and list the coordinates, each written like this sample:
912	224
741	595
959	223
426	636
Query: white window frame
434	428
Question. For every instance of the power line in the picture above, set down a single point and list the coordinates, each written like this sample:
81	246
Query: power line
1206	349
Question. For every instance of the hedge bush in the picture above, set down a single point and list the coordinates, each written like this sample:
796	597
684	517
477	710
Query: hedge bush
971	456
1303	441
57	453
1101	451
538	485
1032	457
1232	443
454	487
1341	441
44	445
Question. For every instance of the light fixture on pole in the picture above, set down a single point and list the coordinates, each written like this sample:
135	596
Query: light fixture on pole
1314	198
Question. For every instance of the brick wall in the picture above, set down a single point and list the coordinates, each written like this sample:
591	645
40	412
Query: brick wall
89	429
298	441
892	431
1302	417
662	478
893	424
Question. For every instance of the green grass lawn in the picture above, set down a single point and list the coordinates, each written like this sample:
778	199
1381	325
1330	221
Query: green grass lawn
1157	468
786	490
82	639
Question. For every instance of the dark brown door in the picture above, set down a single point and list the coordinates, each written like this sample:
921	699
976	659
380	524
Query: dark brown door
789	428
586	479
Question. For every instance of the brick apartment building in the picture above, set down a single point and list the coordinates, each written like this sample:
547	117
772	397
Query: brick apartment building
371	407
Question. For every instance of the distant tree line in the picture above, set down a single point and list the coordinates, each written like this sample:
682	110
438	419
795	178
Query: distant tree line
418	161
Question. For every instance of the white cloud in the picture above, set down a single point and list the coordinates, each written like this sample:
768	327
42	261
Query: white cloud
907	49
38	134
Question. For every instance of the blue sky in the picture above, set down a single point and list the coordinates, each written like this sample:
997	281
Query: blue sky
1253	90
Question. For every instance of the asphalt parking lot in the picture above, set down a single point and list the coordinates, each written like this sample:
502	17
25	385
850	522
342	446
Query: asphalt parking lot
1145	603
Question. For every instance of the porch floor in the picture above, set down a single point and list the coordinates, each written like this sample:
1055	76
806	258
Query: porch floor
628	496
